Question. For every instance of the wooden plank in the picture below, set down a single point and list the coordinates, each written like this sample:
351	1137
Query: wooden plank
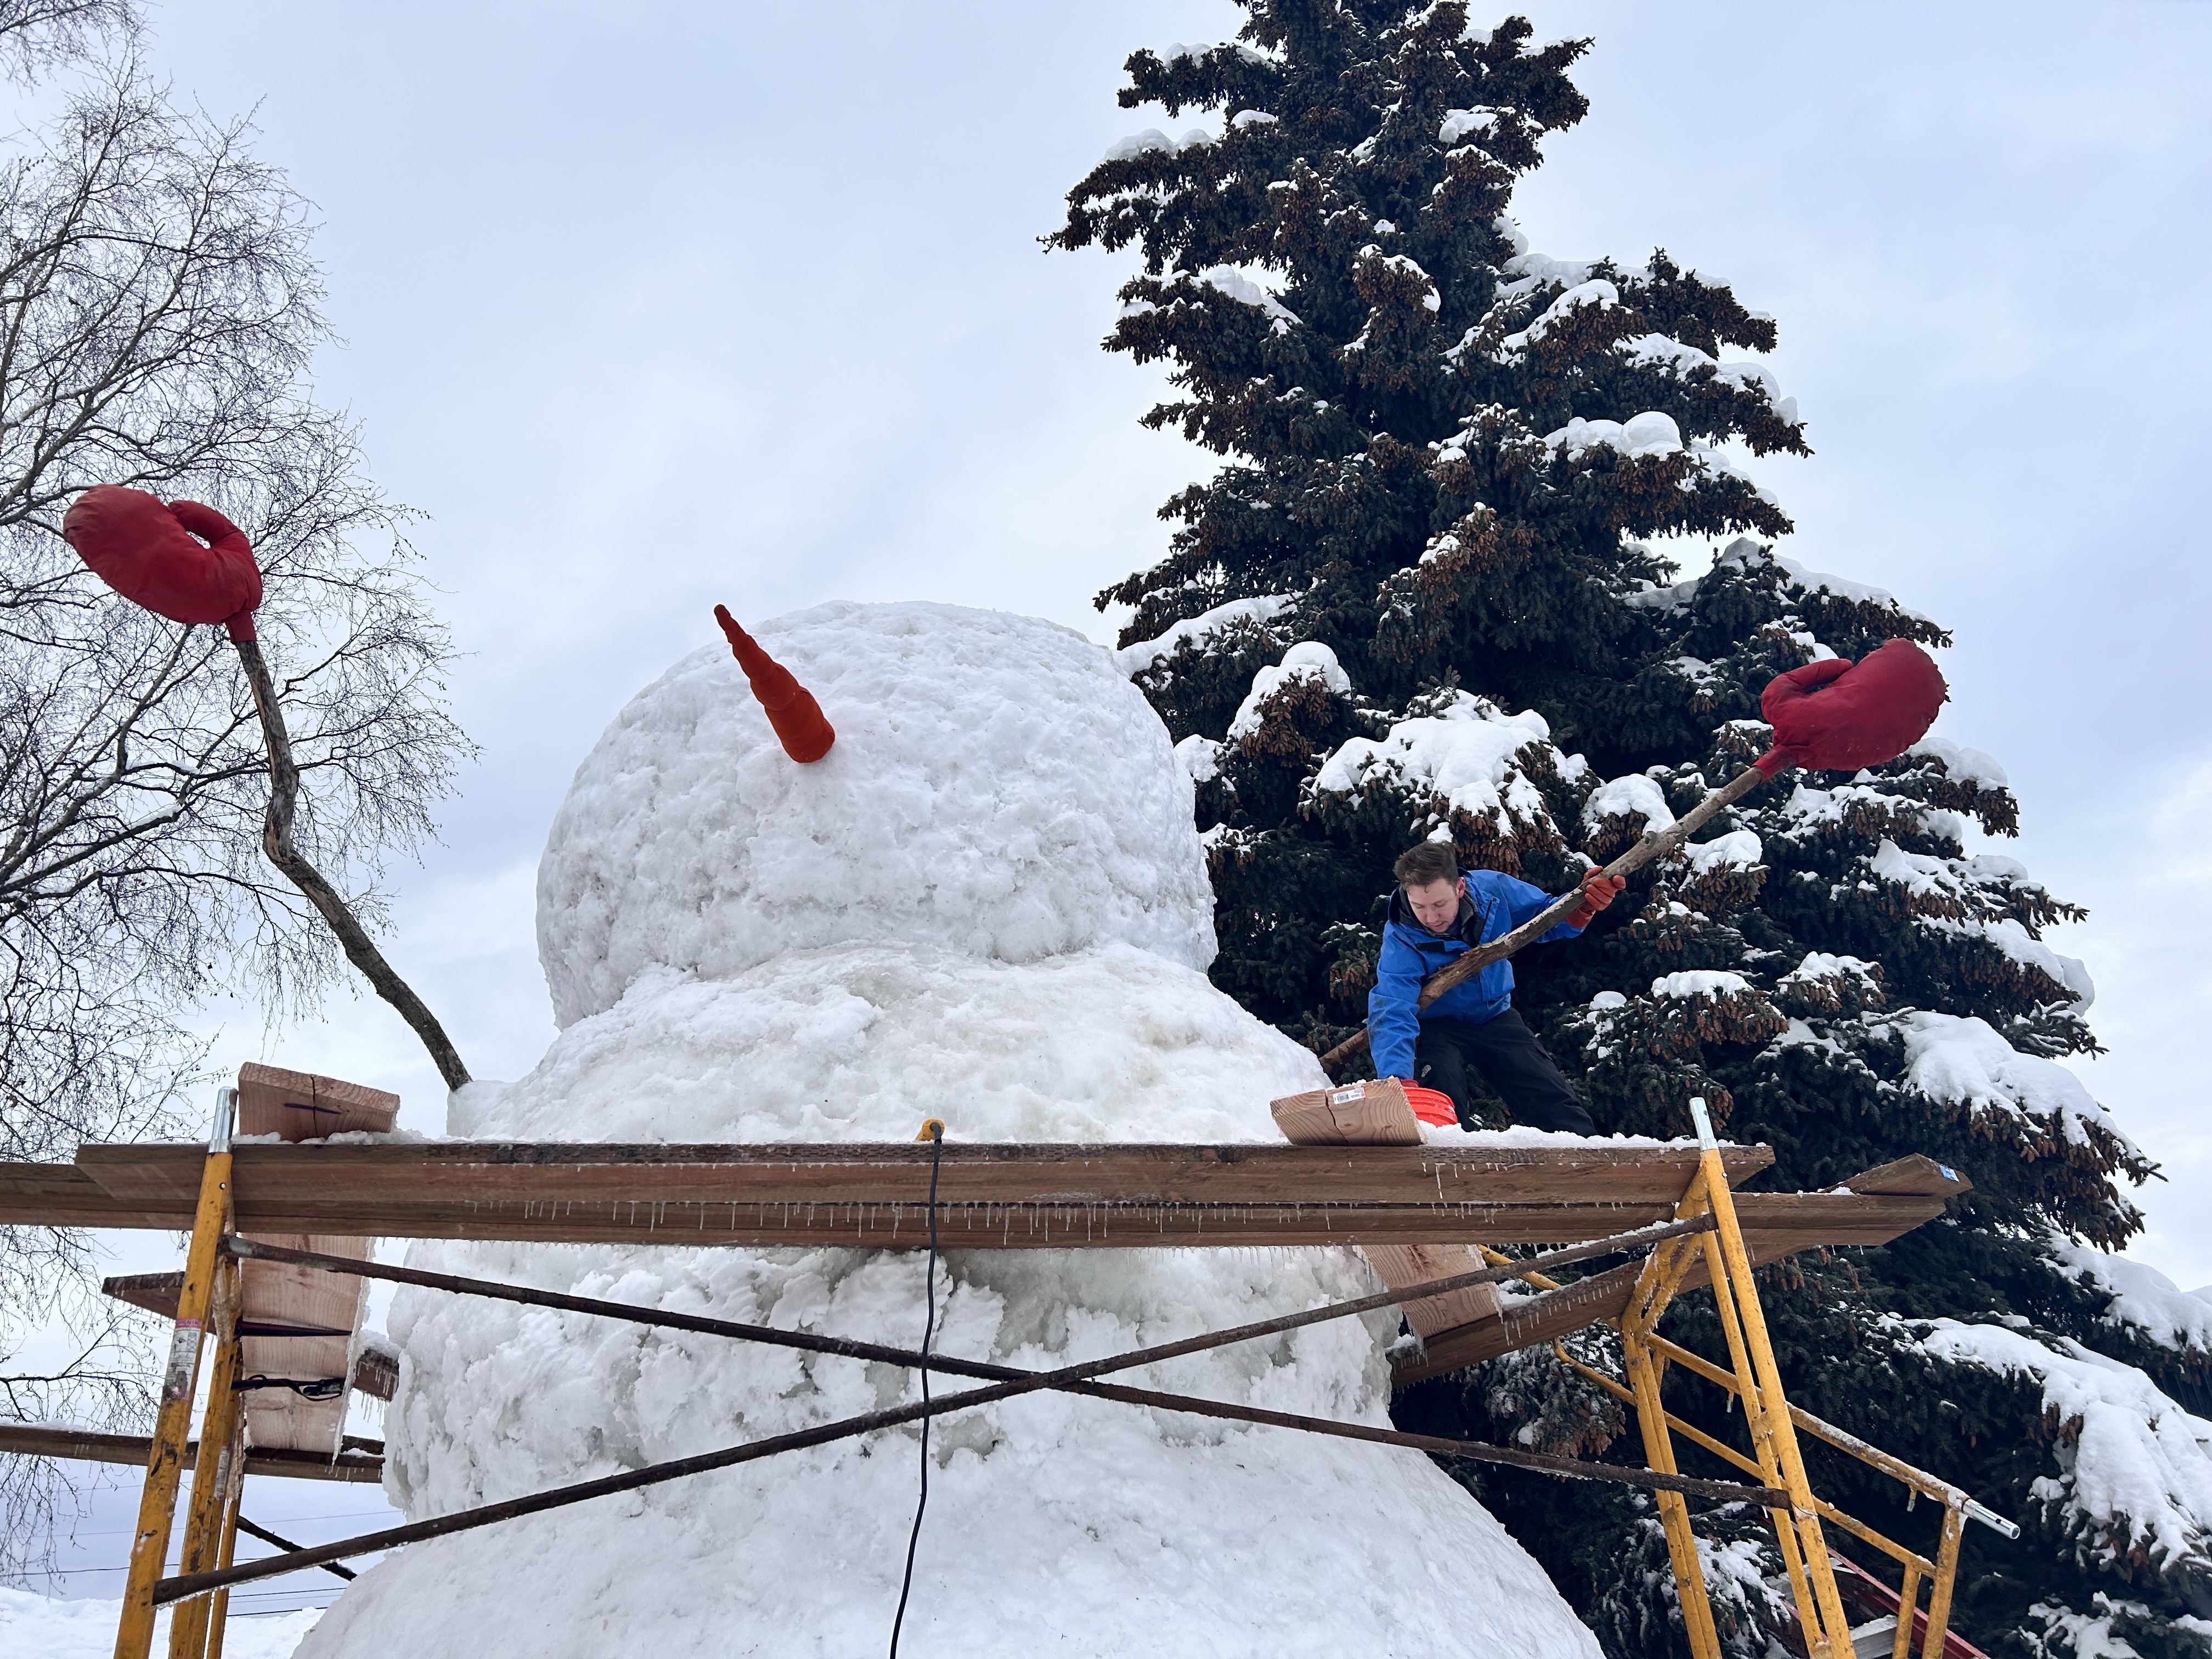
1525	1322
33	1440
306	1106
1129	1197
318	1312
437	1172
62	1195
1371	1113
1135	1225
1399	1264
156	1294
1915	1174
1377	1114
1882	1204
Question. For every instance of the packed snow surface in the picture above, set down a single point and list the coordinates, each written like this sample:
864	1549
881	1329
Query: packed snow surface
996	788
50	1627
737	1007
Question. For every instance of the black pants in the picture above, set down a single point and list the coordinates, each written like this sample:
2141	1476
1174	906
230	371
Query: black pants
1510	1060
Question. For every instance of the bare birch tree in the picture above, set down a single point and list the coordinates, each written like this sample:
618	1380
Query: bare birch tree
158	310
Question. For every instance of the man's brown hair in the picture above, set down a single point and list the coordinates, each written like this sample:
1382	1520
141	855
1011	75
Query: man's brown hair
1432	860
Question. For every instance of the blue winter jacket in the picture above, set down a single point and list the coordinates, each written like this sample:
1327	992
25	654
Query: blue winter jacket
1493	906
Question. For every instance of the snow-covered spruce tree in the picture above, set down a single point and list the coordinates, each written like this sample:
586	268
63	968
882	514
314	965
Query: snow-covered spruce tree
1424	595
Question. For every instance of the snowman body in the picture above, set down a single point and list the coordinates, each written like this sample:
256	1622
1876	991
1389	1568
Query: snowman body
985	904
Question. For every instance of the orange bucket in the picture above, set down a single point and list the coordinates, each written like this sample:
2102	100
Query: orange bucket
1431	1106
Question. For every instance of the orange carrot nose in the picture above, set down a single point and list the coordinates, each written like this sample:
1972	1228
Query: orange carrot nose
792	710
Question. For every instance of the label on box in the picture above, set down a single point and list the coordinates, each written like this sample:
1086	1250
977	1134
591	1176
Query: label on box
1345	1096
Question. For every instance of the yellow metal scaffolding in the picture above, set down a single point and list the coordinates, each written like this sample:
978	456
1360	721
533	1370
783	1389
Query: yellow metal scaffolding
1752	1377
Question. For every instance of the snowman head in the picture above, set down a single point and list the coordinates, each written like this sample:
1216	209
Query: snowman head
996	788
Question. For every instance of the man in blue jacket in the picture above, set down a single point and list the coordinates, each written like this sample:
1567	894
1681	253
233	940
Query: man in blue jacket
1436	914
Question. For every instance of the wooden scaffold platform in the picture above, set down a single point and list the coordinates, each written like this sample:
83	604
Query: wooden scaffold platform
282	1236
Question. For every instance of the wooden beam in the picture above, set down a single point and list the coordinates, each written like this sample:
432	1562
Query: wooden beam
30	1440
1881	1205
991	1196
898	1172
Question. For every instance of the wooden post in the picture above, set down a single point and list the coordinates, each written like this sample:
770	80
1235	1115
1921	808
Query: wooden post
221	1442
1834	1638
157	1503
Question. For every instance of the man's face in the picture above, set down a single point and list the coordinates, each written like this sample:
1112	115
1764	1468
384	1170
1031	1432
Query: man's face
1436	903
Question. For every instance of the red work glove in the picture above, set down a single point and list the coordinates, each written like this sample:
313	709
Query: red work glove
1599	890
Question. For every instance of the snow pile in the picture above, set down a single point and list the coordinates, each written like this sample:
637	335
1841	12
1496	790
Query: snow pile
862	1042
1594	292
2013	939
2136	1474
1625	797
1134	660
1651	433
1467	753
51	1627
1309	660
996	788
1739	849
1227	279
1965	764
2142	1295
1200	757
1459	124
1699	982
1965	1062
1055	1523
1151	138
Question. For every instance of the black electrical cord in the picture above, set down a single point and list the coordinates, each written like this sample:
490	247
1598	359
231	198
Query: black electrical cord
928	1331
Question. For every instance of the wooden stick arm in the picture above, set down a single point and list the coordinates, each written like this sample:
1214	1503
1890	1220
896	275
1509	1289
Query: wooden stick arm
277	843
1655	843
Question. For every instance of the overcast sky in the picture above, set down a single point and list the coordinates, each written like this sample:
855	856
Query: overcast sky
651	306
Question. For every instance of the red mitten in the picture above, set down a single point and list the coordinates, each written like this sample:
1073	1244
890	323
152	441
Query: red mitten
1837	716
141	549
1599	890
799	724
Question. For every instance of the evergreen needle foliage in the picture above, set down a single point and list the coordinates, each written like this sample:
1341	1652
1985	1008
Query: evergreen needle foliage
1426	595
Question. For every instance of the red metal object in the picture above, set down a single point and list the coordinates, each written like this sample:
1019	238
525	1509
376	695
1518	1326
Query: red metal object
1868	1597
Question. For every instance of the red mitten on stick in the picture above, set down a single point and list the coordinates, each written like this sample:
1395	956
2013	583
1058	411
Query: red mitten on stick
1599	890
1837	716
147	552
798	719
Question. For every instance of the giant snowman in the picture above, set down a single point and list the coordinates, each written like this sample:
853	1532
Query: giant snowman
986	903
